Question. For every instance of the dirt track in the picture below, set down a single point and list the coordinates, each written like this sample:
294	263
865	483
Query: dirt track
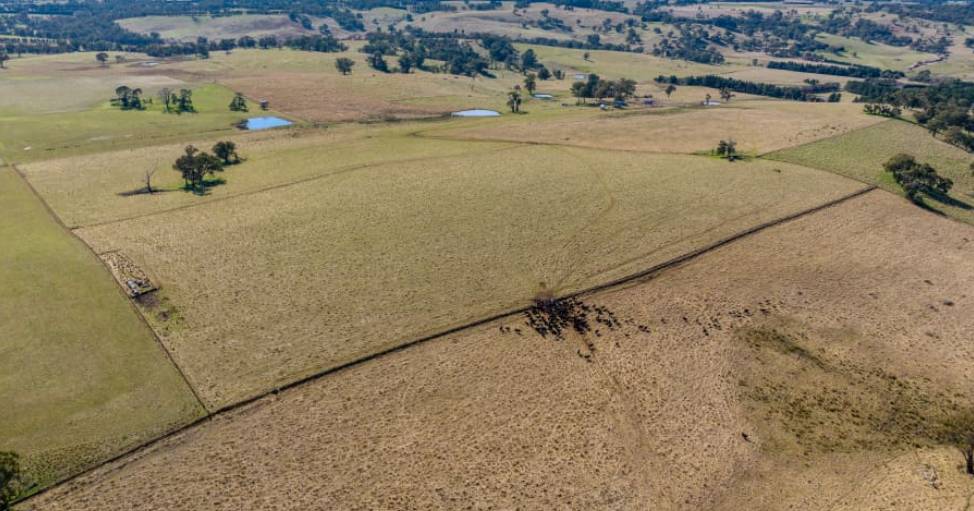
492	419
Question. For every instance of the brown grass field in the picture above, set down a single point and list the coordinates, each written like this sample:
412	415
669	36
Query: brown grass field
787	370
458	232
817	364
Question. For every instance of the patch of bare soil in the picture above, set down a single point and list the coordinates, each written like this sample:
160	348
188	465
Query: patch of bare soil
808	366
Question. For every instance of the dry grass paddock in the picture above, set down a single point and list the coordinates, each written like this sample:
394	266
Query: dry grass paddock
757	126
281	283
860	154
188	28
663	412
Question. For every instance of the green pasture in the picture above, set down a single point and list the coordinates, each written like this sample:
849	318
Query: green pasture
83	378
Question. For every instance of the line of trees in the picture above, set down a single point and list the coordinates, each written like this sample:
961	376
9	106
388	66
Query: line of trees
829	69
917	179
806	93
599	88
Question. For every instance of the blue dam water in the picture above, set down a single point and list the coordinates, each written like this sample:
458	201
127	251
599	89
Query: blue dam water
263	123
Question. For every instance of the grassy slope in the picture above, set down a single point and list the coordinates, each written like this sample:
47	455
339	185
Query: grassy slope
861	154
188	28
873	54
82	375
105	127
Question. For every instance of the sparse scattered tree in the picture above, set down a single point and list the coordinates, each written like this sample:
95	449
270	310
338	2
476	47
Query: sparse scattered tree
238	103
128	98
344	65
727	149
194	166
183	102
165	94
529	60
377	62
147	177
226	151
530	83
405	63
514	100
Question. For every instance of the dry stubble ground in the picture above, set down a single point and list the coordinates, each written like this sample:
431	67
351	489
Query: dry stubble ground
653	419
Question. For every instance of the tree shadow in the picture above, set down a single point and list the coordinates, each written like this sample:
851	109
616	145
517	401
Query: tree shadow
206	185
141	191
947	200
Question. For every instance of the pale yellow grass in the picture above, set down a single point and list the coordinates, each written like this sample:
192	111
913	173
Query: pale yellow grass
783	77
188	28
276	285
757	126
59	83
92	189
652	420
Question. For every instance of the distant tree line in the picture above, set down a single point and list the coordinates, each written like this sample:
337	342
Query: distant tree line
828	69
807	93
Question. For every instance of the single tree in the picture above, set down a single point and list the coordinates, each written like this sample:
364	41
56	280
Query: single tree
530	83
4	57
514	100
727	149
238	103
670	89
726	94
585	56
102	58
405	63
543	73
165	94
226	151
344	65
529	60
377	62
184	103
194	166
147	177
